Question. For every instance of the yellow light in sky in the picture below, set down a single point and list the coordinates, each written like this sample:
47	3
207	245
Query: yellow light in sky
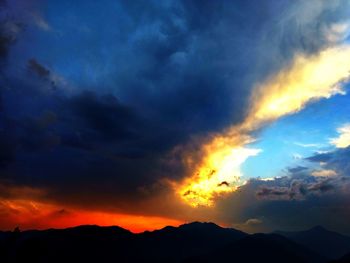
306	79
220	174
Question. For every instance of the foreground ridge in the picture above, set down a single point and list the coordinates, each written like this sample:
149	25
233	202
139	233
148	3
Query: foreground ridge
191	242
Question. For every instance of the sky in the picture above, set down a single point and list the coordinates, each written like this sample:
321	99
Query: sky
144	114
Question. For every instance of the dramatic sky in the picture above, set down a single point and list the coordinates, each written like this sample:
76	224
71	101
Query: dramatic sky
151	113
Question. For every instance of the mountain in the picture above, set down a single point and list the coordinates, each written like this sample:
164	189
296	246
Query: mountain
179	243
78	244
195	242
270	248
343	259
327	243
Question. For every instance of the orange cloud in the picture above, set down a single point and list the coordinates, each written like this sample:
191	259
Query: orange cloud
33	214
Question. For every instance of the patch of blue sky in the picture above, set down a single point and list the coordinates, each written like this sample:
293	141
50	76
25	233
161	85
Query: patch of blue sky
288	141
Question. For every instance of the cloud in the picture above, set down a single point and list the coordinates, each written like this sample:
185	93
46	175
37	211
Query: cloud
152	83
151	86
40	22
253	221
343	140
308	78
274	193
337	32
338	161
38	69
9	31
320	157
23	209
50	79
294	202
308	145
302	199
301	185
9	191
105	115
297	169
209	183
7	149
324	173
312	71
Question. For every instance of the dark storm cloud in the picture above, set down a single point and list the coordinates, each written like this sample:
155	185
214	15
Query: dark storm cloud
273	192
38	69
182	63
105	115
322	157
7	150
297	169
172	88
298	189
337	160
9	30
159	74
10	27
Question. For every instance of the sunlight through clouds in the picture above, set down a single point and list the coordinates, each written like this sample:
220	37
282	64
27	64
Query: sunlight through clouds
306	79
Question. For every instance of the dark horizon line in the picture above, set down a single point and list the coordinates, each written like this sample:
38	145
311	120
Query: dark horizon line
18	228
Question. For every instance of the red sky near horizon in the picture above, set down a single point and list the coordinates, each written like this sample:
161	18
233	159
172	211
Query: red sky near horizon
30	214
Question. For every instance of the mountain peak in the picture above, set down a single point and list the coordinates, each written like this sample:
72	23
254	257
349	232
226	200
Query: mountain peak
197	225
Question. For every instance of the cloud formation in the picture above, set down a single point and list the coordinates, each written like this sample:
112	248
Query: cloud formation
110	105
289	203
324	173
343	140
308	78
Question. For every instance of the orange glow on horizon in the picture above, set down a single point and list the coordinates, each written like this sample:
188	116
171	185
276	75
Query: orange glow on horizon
29	214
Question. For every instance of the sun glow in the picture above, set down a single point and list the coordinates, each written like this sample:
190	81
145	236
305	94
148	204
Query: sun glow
34	214
220	174
306	79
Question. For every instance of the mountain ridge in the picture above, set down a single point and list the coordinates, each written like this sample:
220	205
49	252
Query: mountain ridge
328	243
188	243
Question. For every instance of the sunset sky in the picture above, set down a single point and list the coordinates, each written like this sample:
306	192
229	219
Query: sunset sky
144	114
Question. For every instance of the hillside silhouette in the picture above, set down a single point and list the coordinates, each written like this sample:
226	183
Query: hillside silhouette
327	243
189	243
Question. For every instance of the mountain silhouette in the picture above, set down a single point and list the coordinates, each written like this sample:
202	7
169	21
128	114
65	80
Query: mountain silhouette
187	240
343	259
189	243
271	248
326	243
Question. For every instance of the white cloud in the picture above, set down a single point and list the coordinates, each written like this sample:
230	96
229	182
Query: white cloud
267	179
337	32
308	145
297	156
253	221
324	173
40	22
343	140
